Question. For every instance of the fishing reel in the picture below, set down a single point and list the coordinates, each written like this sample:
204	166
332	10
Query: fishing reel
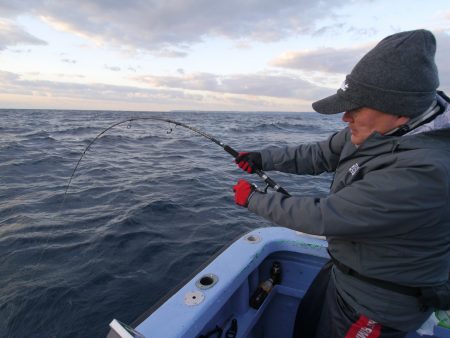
261	190
270	183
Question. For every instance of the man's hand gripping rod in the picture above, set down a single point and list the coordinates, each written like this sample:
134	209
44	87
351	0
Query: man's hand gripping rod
269	182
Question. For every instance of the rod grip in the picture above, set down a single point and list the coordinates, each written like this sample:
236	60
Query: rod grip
284	192
231	151
260	173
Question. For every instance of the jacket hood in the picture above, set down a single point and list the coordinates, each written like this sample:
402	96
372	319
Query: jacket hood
442	121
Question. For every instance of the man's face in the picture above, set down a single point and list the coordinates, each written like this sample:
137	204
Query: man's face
364	121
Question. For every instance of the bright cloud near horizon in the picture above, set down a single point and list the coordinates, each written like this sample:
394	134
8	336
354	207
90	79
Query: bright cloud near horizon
160	55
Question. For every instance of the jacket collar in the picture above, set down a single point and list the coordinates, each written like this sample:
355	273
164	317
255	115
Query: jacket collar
377	144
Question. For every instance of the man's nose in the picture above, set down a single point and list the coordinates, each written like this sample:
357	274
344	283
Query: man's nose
347	117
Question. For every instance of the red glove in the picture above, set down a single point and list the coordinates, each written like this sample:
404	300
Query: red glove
242	191
249	161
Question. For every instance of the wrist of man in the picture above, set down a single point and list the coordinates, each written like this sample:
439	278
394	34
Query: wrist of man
252	196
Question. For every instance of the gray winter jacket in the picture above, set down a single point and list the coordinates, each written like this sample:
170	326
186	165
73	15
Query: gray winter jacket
387	216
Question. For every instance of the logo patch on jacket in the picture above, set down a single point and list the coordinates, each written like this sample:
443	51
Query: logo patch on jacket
354	169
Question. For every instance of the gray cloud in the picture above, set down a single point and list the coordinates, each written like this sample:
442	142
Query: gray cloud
169	26
188	86
277	86
113	68
21	51
329	29
13	83
171	53
12	8
69	61
13	35
442	57
71	76
8	77
329	60
127	96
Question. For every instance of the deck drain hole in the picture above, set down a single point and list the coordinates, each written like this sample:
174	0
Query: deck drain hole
207	281
253	239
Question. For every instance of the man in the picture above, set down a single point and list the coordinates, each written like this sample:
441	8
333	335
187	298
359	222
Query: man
387	218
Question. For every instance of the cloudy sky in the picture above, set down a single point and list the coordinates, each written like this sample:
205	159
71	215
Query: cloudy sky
245	55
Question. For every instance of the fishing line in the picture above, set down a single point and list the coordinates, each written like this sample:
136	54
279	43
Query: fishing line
267	180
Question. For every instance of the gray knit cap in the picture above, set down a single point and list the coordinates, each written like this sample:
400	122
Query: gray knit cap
398	76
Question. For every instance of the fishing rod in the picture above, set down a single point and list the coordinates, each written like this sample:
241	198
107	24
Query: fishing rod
267	180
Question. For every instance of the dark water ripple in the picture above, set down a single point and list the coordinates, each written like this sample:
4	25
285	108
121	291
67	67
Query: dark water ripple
146	207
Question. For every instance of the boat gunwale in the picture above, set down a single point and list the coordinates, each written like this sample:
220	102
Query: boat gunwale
266	241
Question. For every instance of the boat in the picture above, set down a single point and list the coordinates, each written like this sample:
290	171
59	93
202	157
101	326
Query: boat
236	293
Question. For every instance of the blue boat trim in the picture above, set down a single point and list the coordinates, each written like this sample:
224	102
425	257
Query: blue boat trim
233	266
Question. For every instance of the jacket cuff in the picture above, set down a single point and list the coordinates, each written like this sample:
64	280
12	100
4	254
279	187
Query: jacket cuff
252	200
267	163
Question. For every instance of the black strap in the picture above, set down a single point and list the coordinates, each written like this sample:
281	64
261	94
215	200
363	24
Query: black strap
443	95
311	304
406	290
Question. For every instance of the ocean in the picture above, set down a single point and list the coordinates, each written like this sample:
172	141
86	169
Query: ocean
148	205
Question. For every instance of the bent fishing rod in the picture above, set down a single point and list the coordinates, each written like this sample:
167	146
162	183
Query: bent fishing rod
267	180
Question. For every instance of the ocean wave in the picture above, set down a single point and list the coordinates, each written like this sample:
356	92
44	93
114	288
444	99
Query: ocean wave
275	126
76	131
